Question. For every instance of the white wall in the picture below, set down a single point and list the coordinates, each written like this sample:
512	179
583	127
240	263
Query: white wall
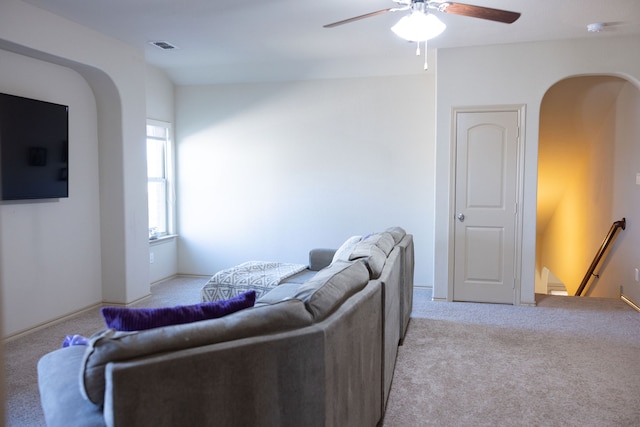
50	250
270	171
115	75
161	106
163	259
160	95
512	74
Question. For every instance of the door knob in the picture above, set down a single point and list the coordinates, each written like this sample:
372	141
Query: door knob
460	217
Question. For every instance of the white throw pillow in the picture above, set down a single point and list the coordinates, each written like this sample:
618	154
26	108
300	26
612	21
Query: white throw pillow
344	251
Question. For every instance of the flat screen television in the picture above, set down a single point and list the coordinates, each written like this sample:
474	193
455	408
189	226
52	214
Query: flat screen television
34	149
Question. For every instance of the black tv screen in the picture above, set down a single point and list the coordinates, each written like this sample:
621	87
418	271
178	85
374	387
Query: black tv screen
34	149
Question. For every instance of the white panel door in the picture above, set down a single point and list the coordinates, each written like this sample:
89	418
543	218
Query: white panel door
485	206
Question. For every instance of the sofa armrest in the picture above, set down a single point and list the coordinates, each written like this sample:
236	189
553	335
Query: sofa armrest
62	403
320	258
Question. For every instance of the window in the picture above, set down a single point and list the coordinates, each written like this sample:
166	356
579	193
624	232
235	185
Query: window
159	178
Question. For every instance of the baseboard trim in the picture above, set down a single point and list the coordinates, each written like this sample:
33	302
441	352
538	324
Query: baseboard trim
127	304
175	276
46	324
630	302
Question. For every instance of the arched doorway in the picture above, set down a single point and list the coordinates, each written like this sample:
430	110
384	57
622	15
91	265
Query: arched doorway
587	133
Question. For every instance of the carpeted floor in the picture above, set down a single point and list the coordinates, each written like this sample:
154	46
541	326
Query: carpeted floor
569	361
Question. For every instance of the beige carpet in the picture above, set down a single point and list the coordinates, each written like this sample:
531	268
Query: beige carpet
570	361
567	362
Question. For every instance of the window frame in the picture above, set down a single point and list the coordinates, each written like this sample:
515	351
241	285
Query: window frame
169	168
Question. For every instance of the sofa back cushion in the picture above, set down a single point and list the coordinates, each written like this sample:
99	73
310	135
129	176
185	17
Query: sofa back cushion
397	233
113	346
333	285
374	250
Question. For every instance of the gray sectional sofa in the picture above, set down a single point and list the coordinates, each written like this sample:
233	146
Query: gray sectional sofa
317	350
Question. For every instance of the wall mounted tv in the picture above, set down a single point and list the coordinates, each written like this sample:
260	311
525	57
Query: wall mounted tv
34	149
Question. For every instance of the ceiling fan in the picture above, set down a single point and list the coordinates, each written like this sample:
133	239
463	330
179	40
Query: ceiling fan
423	6
421	25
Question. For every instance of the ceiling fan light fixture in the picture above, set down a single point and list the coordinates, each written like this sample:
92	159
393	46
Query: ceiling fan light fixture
418	26
596	27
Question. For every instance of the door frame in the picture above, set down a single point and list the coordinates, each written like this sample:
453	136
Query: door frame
521	110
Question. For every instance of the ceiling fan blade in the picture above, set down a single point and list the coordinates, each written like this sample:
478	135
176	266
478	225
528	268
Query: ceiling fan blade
498	15
357	18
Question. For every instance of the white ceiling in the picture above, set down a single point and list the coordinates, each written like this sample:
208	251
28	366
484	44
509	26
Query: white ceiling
274	40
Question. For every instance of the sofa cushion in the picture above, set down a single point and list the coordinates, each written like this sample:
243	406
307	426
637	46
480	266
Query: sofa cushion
279	293
374	249
374	261
397	233
115	346
298	278
332	286
385	242
344	251
138	319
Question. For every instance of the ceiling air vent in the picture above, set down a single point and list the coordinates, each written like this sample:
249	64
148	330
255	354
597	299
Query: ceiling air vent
163	45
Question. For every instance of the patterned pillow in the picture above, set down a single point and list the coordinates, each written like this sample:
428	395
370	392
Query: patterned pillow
138	319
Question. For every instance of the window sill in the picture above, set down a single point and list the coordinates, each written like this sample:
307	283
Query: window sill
162	239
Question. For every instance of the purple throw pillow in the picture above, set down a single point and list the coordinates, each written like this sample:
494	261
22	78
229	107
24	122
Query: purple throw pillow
137	319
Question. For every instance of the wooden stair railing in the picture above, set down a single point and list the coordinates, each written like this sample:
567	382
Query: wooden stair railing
611	236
